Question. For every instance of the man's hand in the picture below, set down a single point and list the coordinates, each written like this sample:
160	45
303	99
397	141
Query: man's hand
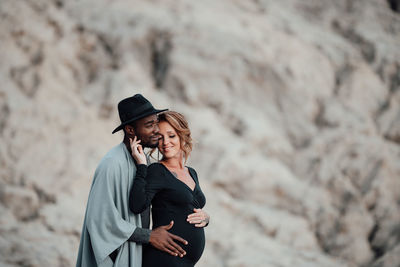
163	240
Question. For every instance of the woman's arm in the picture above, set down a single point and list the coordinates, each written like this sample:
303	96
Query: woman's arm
199	218
146	184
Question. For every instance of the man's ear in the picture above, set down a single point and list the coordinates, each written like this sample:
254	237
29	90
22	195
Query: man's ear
129	130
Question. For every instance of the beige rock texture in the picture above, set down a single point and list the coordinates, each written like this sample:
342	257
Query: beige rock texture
294	107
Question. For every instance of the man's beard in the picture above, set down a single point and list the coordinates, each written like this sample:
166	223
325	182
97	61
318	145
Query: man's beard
148	144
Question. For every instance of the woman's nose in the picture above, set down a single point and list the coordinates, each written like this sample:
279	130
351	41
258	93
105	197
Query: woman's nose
165	141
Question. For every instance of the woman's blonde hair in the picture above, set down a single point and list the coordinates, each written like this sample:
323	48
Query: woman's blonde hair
181	126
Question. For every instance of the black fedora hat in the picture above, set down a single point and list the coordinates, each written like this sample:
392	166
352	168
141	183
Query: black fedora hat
133	108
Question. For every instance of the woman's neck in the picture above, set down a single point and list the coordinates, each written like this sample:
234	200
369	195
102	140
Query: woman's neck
173	163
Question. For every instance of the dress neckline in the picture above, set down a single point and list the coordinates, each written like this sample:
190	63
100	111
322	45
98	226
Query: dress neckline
175	178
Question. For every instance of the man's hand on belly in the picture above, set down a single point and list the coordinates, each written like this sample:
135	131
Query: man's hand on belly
163	240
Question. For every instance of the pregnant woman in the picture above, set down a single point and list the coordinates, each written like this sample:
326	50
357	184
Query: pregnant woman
174	192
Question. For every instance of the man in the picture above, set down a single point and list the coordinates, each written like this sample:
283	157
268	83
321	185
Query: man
112	235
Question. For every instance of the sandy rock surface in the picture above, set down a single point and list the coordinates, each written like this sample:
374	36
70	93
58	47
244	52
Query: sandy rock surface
294	106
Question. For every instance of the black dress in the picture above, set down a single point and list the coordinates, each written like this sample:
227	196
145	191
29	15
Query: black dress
171	199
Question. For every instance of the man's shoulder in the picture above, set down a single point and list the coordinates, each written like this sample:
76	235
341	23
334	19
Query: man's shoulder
116	151
116	157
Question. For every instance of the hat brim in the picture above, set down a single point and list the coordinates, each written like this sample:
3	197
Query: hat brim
151	112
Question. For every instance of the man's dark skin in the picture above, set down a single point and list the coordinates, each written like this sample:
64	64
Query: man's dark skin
146	130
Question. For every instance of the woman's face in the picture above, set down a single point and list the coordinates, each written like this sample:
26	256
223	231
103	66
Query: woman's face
169	143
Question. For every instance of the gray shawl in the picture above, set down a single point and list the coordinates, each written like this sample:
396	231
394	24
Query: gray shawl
108	222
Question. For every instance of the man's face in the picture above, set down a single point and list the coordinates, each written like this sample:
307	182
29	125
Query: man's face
147	131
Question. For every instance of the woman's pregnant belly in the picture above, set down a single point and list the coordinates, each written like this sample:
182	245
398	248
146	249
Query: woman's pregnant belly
193	235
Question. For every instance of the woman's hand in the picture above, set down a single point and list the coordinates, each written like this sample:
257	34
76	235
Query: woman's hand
199	218
137	151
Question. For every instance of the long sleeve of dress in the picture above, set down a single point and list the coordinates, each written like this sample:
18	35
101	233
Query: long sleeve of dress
147	183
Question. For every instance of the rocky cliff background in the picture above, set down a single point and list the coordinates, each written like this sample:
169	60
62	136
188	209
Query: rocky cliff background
294	105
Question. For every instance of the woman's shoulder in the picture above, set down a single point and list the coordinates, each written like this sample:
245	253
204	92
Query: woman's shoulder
155	172
192	170
156	166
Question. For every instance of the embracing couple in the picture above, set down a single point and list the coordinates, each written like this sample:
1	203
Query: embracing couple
116	225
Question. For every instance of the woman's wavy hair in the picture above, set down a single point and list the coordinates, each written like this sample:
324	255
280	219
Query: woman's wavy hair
181	126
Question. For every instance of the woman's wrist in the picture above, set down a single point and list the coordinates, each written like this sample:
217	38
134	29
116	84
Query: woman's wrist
141	170
207	220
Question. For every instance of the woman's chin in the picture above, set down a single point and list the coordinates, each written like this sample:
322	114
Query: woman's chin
168	155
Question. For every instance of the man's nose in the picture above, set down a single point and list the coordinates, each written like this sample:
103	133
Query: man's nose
156	129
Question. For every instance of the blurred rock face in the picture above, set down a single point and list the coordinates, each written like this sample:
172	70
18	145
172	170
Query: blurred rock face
294	105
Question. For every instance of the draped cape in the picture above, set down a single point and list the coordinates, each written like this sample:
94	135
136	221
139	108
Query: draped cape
108	222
